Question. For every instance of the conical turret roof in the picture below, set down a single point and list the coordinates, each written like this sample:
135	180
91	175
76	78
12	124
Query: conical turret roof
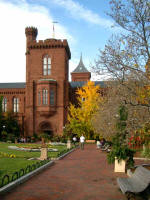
81	67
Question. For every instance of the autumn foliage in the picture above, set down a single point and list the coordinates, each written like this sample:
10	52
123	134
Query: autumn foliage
80	116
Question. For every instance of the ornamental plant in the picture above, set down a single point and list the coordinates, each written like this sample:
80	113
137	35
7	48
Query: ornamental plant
120	149
135	140
140	136
6	155
44	137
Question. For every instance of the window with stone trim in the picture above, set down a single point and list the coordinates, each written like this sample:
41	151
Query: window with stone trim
52	97
4	105
45	96
46	65
16	104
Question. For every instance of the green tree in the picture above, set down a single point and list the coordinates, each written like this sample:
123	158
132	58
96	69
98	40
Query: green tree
11	124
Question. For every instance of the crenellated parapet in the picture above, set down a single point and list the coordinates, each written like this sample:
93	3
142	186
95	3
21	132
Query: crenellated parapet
48	44
31	34
31	31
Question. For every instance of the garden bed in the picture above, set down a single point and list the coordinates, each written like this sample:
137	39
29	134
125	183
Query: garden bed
12	161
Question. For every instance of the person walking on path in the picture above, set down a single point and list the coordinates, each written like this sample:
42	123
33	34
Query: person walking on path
82	139
98	144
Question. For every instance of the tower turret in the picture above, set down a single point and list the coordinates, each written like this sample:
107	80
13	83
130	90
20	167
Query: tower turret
31	33
80	73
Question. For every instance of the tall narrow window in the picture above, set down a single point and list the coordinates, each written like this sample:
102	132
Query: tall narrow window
45	97
52	100
4	105
16	104
46	65
39	97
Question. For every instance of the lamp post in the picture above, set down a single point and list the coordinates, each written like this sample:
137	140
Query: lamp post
3	132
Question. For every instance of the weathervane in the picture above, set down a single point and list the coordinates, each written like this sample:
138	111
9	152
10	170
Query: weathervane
54	28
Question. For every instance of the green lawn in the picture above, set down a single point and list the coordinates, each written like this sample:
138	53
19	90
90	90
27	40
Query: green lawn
23	154
11	165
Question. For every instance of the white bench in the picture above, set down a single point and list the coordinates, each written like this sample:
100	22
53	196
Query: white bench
137	183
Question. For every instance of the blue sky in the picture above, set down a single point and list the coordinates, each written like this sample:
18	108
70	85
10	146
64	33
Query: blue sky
83	23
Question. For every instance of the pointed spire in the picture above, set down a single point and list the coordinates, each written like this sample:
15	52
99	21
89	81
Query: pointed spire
81	57
81	67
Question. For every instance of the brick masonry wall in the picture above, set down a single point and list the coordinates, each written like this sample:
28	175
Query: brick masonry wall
35	117
53	116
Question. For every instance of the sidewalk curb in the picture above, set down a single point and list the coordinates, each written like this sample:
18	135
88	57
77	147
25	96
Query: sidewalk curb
62	156
24	178
136	158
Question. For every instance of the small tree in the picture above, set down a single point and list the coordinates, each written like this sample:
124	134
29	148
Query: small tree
11	124
44	137
120	148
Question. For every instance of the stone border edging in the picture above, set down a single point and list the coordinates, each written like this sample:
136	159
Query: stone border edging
62	156
136	158
24	178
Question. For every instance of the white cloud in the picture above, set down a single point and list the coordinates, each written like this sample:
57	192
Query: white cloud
14	19
78	11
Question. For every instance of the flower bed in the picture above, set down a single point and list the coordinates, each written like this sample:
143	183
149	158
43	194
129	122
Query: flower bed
30	149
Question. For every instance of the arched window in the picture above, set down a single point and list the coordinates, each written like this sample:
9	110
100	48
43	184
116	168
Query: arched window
45	97
16	104
4	105
46	65
52	96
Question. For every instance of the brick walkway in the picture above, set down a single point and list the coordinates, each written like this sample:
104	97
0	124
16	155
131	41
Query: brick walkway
82	175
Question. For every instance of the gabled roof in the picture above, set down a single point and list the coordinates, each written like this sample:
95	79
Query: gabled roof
12	85
81	67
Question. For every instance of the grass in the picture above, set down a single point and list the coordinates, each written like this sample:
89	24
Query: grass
24	154
11	165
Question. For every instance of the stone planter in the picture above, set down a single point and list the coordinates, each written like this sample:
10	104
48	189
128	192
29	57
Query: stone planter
120	166
43	153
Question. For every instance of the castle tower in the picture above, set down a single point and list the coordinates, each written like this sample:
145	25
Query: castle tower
46	84
31	34
80	73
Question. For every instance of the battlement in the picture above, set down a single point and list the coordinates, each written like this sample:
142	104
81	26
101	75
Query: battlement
31	31
49	43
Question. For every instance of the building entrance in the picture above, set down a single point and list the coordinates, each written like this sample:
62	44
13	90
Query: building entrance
45	127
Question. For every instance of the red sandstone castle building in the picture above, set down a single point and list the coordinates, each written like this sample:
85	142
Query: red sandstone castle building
41	104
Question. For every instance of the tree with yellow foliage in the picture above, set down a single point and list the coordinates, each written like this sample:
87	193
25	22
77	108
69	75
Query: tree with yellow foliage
80	116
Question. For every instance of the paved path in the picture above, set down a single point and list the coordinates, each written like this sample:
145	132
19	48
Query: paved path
82	175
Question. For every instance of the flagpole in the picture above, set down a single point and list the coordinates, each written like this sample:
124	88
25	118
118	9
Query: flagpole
53	35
